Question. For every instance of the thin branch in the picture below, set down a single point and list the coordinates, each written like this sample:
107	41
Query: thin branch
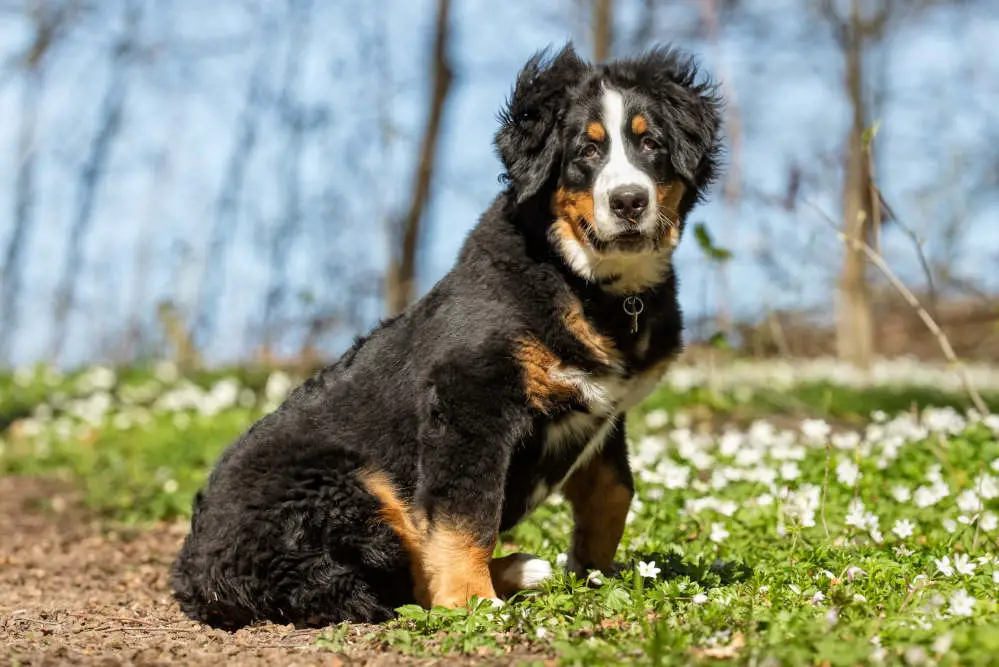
878	261
93	171
402	272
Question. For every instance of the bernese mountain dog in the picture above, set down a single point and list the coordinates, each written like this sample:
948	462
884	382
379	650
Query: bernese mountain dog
385	478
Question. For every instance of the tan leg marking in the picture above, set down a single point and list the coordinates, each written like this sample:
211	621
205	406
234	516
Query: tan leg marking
600	503
457	566
399	516
448	565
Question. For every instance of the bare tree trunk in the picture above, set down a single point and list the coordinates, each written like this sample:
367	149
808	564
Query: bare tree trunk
294	118
854	317
92	174
212	283
10	277
401	280
733	181
603	29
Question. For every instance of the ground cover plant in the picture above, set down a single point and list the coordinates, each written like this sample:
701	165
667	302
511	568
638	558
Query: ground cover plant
822	520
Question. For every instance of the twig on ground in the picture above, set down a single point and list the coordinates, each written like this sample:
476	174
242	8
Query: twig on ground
878	261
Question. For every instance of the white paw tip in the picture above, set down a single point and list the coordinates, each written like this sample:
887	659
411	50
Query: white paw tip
532	573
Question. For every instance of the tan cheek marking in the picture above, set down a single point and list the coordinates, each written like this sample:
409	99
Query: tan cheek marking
573	207
669	197
573	204
600	346
595	131
600	503
639	125
457	566
543	392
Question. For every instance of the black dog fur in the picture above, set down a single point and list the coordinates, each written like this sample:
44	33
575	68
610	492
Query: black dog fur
450	401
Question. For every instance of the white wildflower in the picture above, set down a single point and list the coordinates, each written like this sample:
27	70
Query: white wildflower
657	419
963	564
901	494
541	633
815	430
718	533
988	522
845	440
594	578
853	572
857	597
987	486
790	470
969	502
903	528
847	473
949	525
562	560
944	567
924	497
855	515
915	656
648	570
942	643
961	604
699	598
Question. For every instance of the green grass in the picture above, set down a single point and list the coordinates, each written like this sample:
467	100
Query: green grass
776	589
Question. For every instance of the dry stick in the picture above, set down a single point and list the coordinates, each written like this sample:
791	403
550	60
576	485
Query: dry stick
825	488
945	346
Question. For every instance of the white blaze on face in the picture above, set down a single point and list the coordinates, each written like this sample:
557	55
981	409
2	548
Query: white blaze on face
619	171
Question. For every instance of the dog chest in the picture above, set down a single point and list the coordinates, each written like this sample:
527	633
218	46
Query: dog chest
570	441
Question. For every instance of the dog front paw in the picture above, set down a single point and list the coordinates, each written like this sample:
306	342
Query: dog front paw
519	572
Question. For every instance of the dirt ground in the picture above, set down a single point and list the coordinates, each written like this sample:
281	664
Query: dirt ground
74	593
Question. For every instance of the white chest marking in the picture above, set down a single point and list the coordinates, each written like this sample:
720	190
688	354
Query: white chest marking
607	396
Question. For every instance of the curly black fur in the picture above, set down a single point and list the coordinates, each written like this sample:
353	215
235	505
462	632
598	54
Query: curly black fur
285	531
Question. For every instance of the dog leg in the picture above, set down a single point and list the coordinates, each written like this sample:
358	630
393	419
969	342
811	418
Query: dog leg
600	494
455	566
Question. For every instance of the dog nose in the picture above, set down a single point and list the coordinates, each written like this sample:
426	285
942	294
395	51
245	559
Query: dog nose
629	202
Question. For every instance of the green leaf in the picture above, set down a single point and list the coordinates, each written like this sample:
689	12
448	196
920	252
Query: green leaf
870	134
707	245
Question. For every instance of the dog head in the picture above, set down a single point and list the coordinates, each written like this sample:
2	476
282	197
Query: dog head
622	151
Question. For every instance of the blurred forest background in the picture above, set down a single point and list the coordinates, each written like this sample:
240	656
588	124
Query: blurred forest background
239	180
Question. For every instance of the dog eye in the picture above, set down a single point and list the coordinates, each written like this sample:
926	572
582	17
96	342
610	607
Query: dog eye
649	144
590	151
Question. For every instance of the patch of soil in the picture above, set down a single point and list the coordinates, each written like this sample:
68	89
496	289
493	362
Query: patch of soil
74	592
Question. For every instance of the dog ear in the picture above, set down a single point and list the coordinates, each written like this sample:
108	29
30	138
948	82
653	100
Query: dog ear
529	140
693	109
